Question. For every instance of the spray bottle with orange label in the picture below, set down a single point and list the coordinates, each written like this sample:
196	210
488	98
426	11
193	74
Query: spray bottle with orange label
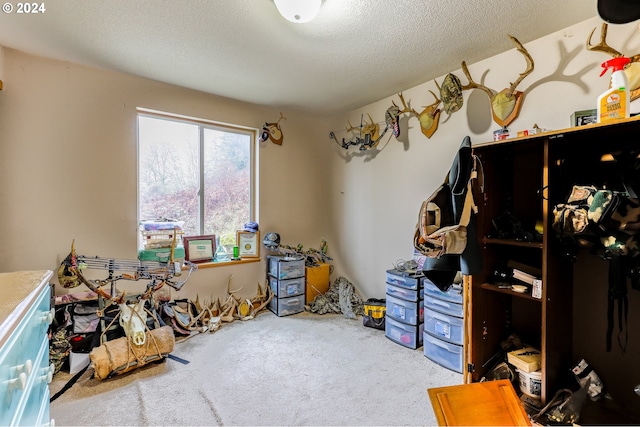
613	104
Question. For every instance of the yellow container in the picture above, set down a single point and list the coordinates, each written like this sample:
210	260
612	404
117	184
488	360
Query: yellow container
317	280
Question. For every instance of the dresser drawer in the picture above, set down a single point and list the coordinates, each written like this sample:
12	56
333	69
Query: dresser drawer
30	409
24	356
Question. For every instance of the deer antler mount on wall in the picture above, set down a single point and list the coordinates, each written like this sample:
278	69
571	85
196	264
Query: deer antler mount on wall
506	104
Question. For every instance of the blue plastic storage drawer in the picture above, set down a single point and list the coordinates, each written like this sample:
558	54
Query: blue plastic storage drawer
405	311
453	294
406	280
450	356
406	335
404	293
287	306
282	267
443	326
287	287
445	307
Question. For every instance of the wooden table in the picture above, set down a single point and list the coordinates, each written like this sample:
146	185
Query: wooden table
490	403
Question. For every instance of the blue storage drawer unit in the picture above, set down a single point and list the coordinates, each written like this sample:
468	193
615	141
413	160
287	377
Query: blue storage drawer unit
405	311
404	279
287	306
282	267
406	335
404	293
443	326
453	294
450	356
445	307
287	287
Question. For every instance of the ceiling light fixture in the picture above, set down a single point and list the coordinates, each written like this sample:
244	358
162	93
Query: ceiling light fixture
298	11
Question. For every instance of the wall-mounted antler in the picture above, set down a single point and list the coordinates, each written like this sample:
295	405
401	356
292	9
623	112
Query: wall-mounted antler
429	118
372	128
506	104
633	69
272	131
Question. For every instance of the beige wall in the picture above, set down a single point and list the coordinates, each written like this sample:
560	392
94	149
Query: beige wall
68	168
68	159
374	197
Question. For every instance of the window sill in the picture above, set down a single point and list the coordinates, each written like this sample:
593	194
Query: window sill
214	264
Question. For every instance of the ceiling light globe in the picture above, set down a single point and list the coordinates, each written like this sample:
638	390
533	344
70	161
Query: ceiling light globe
298	11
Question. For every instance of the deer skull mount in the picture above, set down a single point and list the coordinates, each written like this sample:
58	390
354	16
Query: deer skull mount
633	69
133	319
506	104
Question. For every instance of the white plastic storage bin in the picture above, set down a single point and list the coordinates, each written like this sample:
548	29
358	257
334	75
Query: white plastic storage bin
287	306
282	267
403	334
409	312
404	293
443	326
450	356
453	294
404	279
446	307
287	287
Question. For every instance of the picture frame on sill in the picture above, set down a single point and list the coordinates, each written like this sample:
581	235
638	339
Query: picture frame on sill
248	244
199	248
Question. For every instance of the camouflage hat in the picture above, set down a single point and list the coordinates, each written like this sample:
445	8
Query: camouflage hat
451	93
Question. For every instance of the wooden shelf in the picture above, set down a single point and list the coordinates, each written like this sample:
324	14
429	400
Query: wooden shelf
511	242
495	288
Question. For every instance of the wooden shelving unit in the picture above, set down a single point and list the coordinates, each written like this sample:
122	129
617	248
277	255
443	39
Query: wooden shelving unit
568	323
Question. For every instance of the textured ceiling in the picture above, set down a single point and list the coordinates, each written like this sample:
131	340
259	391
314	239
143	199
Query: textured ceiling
356	52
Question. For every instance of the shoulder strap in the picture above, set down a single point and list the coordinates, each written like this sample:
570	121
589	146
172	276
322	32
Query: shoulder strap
469	202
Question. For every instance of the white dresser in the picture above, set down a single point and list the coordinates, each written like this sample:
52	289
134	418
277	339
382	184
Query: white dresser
25	372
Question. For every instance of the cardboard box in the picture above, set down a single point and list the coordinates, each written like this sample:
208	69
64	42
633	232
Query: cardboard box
317	279
584	117
526	359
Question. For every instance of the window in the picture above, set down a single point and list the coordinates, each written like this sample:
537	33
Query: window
199	172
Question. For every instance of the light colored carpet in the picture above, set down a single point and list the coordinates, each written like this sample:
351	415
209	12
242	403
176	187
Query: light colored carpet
301	370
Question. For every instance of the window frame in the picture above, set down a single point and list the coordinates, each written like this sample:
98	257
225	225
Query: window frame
202	125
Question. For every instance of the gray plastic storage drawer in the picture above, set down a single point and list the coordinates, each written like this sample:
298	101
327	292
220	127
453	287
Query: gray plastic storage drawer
405	280
405	311
287	287
445	307
443	353
443	326
404	293
282	267
403	334
287	306
453	294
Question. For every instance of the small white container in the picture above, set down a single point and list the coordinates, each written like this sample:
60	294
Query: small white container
530	383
